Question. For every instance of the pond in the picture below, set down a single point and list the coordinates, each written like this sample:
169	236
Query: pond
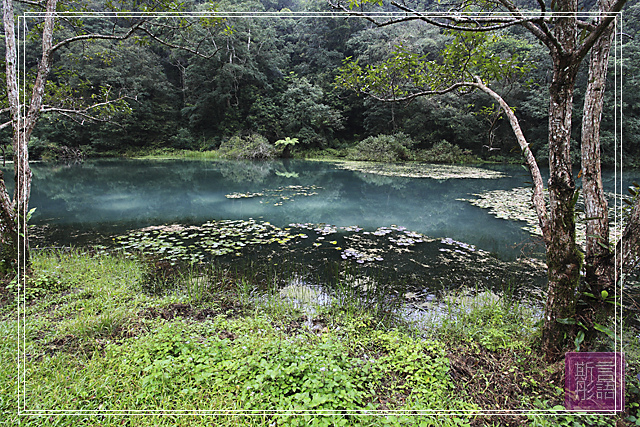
428	226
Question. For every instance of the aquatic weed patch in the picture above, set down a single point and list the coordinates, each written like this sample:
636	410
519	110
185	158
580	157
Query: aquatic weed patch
392	253
420	170
217	238
196	243
516	205
280	195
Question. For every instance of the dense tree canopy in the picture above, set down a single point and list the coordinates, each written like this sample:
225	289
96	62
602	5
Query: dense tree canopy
186	101
244	83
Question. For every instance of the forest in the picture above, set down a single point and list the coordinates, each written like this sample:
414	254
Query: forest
276	77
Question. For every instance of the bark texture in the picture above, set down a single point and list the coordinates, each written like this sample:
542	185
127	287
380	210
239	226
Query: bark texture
598	258
563	258
8	214
14	212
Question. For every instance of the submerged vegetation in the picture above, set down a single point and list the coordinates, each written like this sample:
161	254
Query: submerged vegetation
105	334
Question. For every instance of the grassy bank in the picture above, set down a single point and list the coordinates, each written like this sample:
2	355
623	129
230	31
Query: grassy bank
448	155
105	335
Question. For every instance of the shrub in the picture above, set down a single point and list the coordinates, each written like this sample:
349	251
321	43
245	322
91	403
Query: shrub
383	148
446	152
252	147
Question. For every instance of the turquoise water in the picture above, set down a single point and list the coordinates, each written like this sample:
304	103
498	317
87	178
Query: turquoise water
105	197
460	244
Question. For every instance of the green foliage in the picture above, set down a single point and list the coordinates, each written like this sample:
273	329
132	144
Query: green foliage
37	286
405	74
493	322
306	114
134	358
250	147
383	148
259	77
172	364
421	368
567	419
445	152
287	144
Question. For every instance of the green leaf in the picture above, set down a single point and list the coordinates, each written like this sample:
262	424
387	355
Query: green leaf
604	330
579	339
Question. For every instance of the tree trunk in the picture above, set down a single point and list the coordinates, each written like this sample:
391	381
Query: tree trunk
538	186
598	258
563	258
8	213
14	212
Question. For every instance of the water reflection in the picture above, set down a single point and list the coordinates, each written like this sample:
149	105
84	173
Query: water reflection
104	197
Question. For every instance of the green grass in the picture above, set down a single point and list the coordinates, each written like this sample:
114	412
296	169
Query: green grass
175	154
100	339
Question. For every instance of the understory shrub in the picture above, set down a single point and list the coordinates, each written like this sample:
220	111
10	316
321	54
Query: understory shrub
251	147
383	148
446	152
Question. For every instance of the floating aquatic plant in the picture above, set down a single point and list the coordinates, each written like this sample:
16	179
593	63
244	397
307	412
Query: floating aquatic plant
516	205
399	252
177	242
277	196
420	170
243	195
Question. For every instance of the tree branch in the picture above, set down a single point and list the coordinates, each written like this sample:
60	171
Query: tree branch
418	94
174	46
125	36
538	185
32	3
84	112
542	33
455	18
496	23
590	40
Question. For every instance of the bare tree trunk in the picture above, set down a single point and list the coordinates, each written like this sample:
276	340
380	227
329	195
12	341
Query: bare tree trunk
598	257
8	213
532	164
14	212
563	258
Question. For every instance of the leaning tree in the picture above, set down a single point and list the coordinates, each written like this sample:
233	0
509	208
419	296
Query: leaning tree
569	36
57	24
